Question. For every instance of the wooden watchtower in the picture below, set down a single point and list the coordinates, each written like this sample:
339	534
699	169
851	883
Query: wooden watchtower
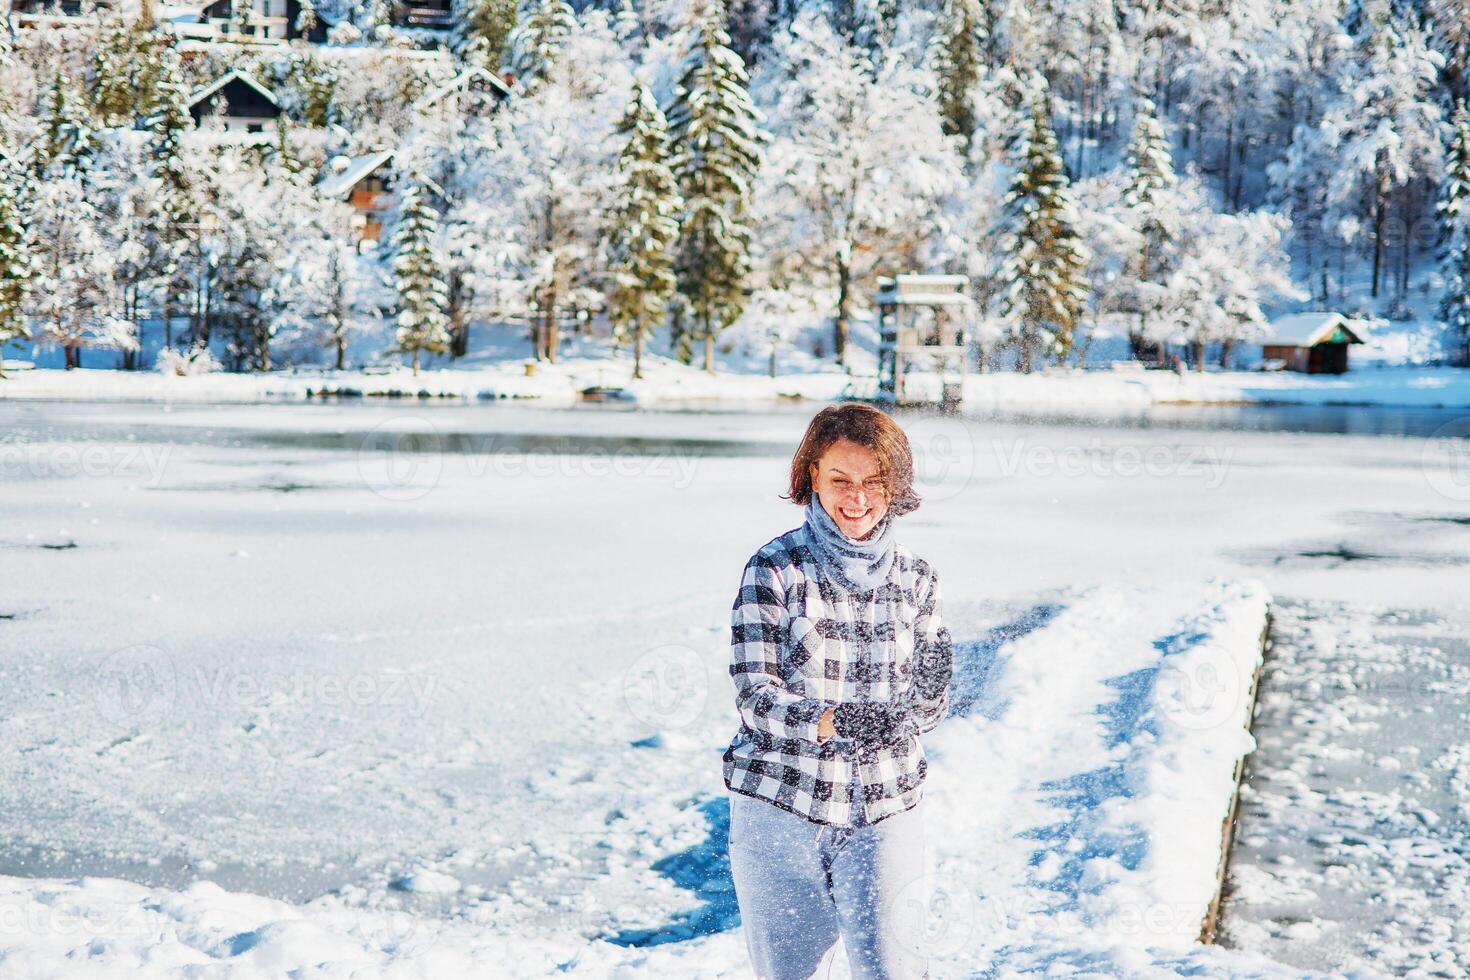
923	328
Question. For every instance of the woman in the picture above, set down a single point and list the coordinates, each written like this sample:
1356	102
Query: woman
840	661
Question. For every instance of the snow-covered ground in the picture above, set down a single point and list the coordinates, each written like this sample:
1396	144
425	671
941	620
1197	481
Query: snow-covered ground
1356	845
668	383
455	675
496	369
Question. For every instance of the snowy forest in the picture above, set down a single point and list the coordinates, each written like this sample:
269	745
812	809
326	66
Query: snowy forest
695	175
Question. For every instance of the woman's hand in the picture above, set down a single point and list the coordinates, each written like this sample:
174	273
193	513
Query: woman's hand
826	726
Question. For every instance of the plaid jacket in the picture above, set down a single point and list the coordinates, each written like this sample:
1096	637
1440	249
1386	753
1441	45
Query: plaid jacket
799	645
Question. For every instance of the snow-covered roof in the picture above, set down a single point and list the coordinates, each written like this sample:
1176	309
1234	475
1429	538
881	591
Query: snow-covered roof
459	83
923	290
224	80
1307	329
171	13
341	184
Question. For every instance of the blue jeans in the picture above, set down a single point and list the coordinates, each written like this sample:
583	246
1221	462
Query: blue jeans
802	886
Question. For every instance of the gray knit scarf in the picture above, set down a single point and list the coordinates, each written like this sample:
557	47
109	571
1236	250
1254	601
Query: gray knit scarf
856	565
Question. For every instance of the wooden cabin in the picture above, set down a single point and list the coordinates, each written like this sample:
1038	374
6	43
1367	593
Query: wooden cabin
242	103
365	182
474	92
1313	343
432	14
35	12
269	20
923	328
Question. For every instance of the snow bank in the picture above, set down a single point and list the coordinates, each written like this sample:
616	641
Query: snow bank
1075	808
1125	390
1108	741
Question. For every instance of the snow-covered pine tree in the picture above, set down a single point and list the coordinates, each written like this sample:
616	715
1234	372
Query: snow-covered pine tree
539	37
1449	22
65	140
283	148
1383	127
1150	179
1044	272
627	22
423	324
954	57
1454	216
72	290
316	83
172	200
15	258
244	17
855	168
644	224
306	18
713	126
482	28
109	77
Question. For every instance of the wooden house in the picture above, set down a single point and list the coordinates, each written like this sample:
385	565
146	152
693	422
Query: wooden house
431	14
1313	342
28	13
473	92
242	103
365	182
923	327
267	20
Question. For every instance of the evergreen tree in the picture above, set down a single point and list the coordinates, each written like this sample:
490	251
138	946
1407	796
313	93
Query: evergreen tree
110	78
955	59
306	19
536	43
316	81
73	290
65	141
855	169
15	259
644	224
627	23
713	123
1450	30
483	27
1454	216
244	17
172	200
1383	129
1150	180
423	323
283	150
122	72
1045	264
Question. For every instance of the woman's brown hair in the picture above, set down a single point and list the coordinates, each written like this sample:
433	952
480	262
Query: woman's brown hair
868	427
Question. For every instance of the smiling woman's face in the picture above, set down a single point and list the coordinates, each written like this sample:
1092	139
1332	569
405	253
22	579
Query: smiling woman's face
849	483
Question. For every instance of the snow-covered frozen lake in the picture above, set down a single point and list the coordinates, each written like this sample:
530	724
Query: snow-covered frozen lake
411	654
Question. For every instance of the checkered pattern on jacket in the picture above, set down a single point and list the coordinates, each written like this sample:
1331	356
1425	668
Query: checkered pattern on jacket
799	646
